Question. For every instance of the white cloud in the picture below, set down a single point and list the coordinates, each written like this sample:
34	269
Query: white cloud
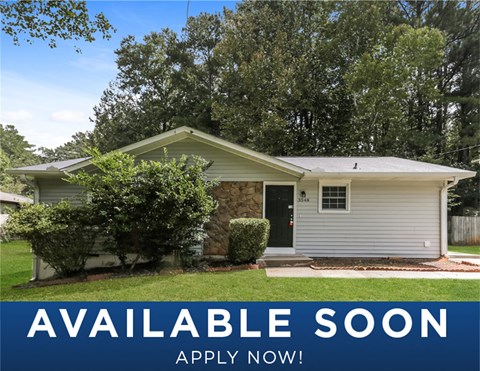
68	116
16	116
55	112
101	64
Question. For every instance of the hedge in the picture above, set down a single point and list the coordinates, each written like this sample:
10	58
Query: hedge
248	239
61	235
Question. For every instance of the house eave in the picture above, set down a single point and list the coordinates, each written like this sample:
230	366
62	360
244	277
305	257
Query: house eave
36	173
391	175
184	132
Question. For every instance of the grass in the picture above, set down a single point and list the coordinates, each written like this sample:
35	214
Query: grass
250	285
465	249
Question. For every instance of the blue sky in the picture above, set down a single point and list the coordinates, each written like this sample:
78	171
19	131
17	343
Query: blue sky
49	94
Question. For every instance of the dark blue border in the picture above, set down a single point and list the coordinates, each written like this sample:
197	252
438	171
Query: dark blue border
459	350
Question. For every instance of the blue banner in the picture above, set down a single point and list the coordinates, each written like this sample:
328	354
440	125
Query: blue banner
240	336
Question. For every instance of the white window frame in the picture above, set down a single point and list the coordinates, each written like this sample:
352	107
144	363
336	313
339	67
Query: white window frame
334	183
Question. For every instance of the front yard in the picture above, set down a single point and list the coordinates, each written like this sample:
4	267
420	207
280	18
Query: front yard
250	285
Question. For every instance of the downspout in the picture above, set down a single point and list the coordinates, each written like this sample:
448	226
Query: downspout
444	215
36	200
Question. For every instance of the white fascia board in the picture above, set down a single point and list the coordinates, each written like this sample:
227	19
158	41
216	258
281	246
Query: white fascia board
77	166
150	144
35	172
162	140
183	132
391	175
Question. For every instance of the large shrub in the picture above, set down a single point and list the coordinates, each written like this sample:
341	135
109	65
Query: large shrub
150	208
248	239
62	235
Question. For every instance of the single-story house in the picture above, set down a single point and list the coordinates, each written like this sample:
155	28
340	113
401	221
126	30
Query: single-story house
317	206
10	202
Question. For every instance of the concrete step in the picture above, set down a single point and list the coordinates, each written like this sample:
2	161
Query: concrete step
296	260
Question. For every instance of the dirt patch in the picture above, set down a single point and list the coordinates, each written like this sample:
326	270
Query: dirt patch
393	264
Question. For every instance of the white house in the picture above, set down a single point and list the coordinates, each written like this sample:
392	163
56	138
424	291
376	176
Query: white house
10	202
317	206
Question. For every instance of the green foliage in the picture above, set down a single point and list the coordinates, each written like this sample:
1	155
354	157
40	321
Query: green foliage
140	103
77	147
15	151
244	285
149	208
15	147
41	19
248	239
164	81
310	78
281	87
390	84
62	235
9	183
466	195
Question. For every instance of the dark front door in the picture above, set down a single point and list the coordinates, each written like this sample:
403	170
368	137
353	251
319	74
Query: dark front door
279	210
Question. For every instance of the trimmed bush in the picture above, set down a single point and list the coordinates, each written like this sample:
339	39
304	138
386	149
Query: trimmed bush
248	239
61	235
149	208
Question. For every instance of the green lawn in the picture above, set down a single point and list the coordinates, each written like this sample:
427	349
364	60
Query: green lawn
465	249
231	286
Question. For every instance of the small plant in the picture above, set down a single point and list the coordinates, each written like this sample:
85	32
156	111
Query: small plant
62	235
248	239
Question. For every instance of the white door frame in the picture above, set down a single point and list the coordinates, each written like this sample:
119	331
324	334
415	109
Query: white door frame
283	250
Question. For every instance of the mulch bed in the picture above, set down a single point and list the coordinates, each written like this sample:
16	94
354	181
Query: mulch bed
221	265
140	270
384	264
394	264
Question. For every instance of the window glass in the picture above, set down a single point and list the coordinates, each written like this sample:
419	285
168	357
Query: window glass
334	197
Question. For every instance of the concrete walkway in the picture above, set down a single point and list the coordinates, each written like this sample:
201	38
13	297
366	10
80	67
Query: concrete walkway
308	272
459	257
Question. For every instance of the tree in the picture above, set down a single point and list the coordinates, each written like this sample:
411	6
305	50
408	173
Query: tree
52	20
77	147
281	90
456	114
15	152
140	103
163	82
8	183
15	147
394	87
198	76
150	208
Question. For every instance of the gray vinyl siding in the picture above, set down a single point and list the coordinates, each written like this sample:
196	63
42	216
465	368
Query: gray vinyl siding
226	166
386	219
53	190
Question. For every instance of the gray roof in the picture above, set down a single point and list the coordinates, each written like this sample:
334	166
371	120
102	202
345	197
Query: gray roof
333	166
367	165
297	166
58	165
14	198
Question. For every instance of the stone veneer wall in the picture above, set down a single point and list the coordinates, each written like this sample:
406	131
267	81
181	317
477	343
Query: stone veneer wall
235	200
